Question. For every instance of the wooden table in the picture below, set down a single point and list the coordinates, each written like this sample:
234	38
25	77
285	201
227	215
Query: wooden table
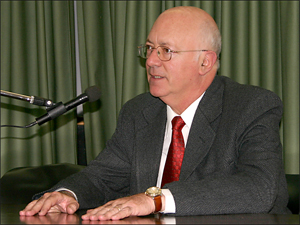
10	215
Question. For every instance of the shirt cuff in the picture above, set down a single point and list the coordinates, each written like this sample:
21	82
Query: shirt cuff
170	206
65	189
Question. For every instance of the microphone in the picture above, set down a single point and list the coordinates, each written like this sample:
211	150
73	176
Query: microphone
91	94
31	99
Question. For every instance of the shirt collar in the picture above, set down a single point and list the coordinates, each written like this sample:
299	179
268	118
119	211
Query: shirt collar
187	115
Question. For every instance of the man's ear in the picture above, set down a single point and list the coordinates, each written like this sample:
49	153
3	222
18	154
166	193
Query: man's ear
207	62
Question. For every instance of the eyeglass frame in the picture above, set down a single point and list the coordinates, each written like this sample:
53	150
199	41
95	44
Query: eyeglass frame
171	51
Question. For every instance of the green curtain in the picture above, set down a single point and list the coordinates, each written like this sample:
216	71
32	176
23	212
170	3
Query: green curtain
108	37
37	58
260	47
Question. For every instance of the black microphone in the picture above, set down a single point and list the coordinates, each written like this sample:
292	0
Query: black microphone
91	94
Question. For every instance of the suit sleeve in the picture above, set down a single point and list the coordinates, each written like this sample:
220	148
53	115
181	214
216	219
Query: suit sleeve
107	177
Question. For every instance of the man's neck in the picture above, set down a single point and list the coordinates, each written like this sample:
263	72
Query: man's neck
180	105
196	100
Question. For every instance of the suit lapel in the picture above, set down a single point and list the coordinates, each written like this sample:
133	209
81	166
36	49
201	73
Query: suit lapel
149	144
202	132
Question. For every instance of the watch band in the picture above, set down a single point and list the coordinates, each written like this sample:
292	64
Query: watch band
158	203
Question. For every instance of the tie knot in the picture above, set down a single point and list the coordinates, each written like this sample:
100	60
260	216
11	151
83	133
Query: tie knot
177	123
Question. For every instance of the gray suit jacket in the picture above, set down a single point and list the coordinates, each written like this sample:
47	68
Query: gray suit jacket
232	162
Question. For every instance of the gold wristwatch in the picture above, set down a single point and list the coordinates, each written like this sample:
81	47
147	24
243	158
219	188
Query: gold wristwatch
155	194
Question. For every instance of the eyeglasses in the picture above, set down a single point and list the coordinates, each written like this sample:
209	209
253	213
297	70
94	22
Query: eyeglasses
163	53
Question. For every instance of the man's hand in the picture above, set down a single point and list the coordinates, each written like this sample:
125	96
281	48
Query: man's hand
135	205
52	202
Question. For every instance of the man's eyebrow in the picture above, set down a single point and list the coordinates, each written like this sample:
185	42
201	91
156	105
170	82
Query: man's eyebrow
160	44
149	41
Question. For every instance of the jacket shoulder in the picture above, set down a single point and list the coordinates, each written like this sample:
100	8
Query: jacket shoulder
144	104
142	101
245	93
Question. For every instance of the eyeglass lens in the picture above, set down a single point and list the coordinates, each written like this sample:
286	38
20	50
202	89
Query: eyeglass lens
163	53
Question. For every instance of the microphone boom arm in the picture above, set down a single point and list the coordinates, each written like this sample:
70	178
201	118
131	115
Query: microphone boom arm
31	99
16	96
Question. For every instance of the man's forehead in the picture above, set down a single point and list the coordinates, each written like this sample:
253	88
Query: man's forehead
177	23
160	41
172	34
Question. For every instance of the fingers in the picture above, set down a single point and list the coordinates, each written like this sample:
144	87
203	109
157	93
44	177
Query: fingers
51	202
34	207
136	205
29	211
46	203
107	212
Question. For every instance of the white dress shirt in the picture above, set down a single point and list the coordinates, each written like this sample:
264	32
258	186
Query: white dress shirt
187	116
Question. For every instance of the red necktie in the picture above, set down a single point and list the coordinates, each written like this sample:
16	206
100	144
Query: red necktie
175	154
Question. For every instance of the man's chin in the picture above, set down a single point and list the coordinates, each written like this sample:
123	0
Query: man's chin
155	93
160	95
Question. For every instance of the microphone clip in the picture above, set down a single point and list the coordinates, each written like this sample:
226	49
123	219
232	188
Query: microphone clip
52	112
42	102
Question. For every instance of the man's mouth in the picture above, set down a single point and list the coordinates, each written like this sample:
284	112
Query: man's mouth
156	77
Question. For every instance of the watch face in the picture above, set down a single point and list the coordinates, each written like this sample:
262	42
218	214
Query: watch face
153	191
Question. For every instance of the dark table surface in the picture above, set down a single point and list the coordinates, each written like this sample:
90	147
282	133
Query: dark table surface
10	215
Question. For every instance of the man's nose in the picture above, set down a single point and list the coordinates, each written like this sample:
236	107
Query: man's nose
153	59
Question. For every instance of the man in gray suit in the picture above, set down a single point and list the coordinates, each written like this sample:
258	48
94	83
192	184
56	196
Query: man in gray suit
233	156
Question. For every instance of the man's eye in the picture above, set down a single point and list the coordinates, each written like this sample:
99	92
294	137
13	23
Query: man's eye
148	47
166	50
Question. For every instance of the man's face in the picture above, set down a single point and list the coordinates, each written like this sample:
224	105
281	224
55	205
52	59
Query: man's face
177	79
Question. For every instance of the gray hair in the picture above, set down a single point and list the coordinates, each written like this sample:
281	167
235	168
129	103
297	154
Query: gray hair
212	37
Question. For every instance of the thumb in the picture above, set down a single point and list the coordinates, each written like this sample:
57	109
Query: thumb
72	208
